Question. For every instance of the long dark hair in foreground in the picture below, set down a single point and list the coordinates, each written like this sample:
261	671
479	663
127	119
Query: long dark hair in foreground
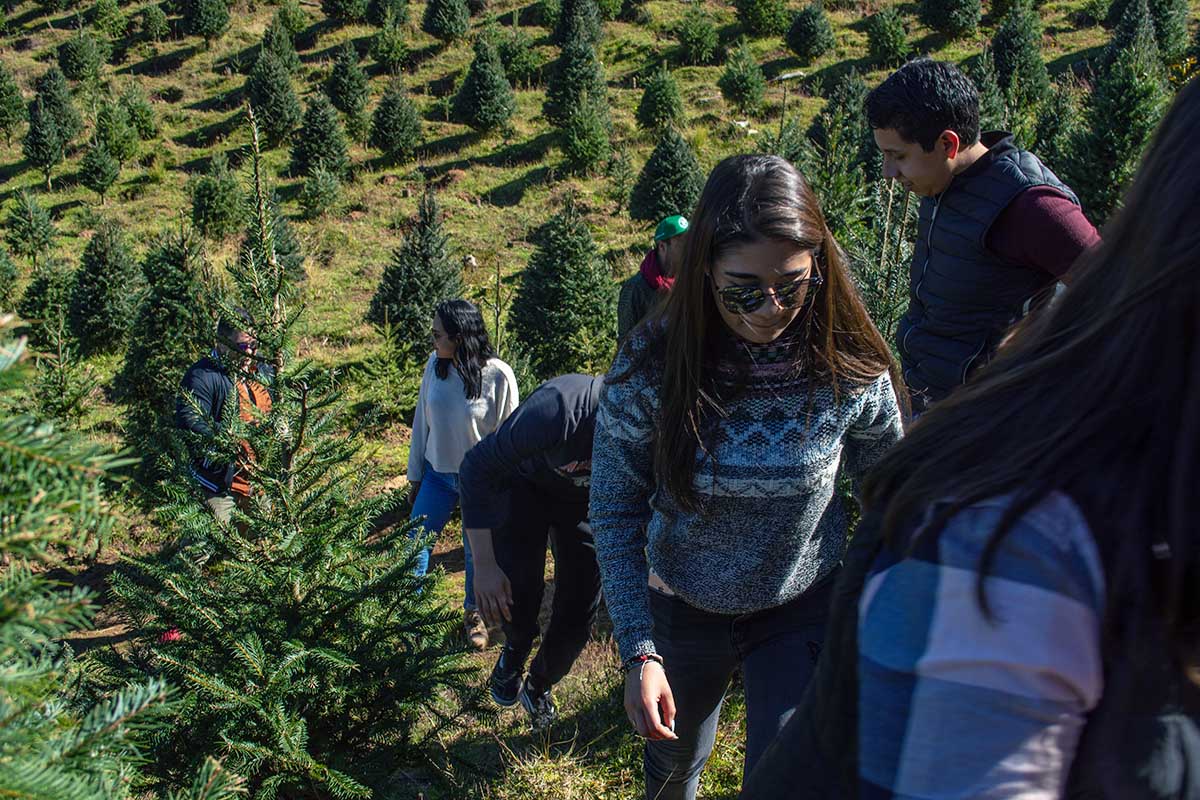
464	324
751	198
1102	387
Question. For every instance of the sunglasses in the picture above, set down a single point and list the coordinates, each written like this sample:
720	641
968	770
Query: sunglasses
748	299
245	347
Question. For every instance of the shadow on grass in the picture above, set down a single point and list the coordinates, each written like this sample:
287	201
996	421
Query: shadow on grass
361	45
511	193
222	101
929	43
448	145
1080	62
826	77
209	134
163	62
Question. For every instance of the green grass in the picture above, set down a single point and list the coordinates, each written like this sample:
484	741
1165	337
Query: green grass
495	192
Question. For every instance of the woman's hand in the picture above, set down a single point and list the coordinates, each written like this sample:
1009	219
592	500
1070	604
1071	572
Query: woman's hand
493	592
646	692
414	488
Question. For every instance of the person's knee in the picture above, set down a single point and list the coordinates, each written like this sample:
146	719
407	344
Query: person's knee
674	762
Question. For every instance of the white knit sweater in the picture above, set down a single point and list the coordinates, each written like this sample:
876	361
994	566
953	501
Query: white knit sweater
447	424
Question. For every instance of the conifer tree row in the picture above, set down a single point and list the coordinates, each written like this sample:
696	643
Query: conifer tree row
304	648
58	742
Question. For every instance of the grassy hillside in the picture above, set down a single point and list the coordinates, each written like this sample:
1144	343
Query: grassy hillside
495	191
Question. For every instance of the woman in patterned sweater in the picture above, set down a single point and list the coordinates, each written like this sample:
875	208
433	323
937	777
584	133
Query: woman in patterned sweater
723	427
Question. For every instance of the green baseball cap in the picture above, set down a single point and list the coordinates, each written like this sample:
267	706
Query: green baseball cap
671	226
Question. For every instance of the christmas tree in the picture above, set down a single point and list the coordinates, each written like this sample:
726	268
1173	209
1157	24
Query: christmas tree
114	130
52	89
139	111
208	19
29	230
420	275
576	74
320	141
109	19
446	20
304	646
661	106
1017	49
955	18
292	16
881	251
396	126
565	273
742	83
1121	114
993	107
348	89
103	292
522	64
284	244
80	57
269	90
763	17
379	10
216	202
1169	18
697	36
98	170
845	108
43	145
278	41
577	19
887	39
585	141
1057	122
321	192
57	743
12	104
345	11
8	280
171	328
155	26
63	382
389	47
670	183
45	298
834	169
811	34
485	100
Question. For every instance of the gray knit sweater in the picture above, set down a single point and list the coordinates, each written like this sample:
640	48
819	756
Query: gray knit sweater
772	526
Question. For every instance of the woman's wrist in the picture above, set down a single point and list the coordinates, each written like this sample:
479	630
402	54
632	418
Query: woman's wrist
639	661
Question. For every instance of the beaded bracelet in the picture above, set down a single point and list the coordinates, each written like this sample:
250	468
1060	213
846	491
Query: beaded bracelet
640	661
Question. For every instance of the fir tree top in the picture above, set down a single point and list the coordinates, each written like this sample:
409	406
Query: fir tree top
12	104
661	105
320	140
670	182
485	101
347	86
51	87
420	275
566	274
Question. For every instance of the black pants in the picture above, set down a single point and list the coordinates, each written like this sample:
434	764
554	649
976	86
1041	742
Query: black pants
520	547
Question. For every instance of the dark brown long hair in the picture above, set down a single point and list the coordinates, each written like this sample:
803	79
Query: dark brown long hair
750	198
1101	388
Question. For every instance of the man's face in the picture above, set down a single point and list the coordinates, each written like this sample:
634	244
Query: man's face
240	349
924	173
668	253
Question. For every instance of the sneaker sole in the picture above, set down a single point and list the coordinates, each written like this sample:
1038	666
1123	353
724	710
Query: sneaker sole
527	704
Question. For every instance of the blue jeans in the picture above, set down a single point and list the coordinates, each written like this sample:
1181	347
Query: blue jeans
777	650
436	501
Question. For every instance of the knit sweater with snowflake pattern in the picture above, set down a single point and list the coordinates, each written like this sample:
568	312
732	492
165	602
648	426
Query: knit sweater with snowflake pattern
771	526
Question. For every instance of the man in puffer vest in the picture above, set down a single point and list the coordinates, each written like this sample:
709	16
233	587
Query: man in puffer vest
208	384
997	230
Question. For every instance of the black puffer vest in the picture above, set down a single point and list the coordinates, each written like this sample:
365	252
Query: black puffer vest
962	296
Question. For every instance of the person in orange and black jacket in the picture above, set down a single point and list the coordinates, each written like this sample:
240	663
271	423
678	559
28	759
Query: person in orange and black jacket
208	383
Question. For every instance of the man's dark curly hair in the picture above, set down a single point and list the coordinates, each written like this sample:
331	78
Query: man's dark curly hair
924	98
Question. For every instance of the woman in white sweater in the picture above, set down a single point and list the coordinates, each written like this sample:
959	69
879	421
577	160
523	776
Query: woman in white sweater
466	392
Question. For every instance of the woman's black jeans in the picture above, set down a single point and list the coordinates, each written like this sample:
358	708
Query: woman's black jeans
776	650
